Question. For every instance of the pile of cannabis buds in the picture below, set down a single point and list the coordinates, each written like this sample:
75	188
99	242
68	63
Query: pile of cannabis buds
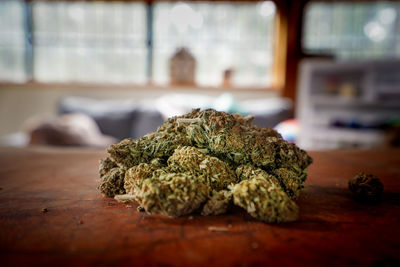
205	161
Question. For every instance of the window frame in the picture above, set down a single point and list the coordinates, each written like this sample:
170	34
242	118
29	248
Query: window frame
279	64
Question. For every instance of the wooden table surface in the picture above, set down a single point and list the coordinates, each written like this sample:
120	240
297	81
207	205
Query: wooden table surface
82	227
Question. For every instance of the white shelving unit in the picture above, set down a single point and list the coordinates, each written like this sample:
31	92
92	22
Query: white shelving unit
345	104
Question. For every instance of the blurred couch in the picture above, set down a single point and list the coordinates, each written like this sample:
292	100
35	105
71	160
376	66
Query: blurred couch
129	118
116	118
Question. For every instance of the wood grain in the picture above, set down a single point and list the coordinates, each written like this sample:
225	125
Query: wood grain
81	227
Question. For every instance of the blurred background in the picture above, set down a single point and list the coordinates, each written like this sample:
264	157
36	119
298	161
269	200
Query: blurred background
325	74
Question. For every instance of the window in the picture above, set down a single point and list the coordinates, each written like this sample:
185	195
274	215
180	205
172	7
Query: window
221	36
13	41
133	42
353	30
89	42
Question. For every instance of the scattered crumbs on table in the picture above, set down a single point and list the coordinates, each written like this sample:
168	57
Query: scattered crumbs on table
128	206
217	229
44	210
254	245
140	209
111	203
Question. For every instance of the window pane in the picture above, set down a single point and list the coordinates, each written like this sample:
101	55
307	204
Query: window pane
353	30
221	36
90	42
12	41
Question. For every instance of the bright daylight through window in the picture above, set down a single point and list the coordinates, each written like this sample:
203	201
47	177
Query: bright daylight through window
133	42
13	42
221	36
89	42
353	30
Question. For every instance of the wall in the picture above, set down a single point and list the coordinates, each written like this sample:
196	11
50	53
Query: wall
20	102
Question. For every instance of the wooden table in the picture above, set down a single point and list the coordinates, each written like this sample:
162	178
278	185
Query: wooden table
82	227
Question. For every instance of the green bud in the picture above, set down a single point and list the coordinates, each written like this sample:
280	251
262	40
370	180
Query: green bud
206	161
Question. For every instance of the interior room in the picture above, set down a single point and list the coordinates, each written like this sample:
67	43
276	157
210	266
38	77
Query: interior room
325	84
306	92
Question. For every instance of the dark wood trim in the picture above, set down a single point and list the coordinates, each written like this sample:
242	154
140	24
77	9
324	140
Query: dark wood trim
294	15
280	45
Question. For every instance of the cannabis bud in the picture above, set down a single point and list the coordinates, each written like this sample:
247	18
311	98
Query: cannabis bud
218	203
366	188
264	200
207	161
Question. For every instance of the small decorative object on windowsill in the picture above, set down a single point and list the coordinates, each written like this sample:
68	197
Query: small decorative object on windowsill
227	82
182	67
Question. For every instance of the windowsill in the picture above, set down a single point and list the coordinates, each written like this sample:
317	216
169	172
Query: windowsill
107	86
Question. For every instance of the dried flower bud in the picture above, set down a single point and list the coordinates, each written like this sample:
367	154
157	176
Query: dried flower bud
218	203
290	180
289	155
366	188
173	194
173	170
248	171
129	153
134	176
106	165
210	170
112	182
265	201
